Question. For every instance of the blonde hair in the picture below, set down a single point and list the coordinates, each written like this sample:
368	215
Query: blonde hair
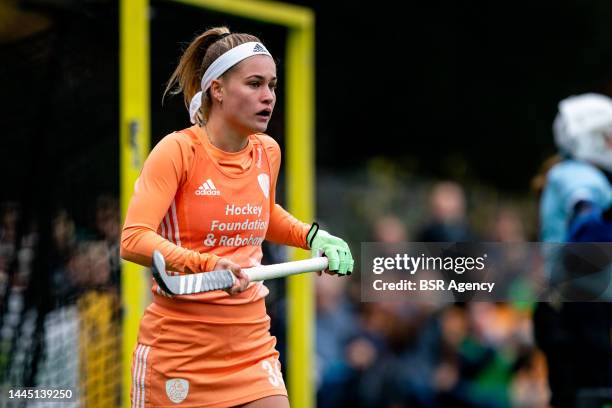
200	53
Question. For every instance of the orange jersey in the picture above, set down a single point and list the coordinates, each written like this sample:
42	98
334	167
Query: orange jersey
195	203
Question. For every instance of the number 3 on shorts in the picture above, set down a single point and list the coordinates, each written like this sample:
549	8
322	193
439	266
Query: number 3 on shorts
274	373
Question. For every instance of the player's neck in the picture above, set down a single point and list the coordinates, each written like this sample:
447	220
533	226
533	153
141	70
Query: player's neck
224	137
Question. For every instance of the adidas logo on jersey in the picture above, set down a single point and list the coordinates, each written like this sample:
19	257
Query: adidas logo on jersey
207	189
259	48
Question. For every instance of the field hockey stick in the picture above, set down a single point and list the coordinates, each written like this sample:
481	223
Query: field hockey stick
224	279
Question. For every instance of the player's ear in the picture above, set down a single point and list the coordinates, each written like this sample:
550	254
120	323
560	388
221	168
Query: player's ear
216	90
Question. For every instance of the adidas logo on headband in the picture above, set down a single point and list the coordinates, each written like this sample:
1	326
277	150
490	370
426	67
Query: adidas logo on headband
259	48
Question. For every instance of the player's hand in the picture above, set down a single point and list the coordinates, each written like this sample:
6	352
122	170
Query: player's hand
335	249
242	279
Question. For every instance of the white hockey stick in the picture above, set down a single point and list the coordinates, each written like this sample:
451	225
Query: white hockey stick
224	279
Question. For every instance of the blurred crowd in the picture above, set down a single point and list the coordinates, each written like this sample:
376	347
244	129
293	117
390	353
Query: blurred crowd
410	354
80	257
60	313
368	354
377	354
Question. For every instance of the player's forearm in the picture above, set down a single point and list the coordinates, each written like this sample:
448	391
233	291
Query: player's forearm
138	244
285	229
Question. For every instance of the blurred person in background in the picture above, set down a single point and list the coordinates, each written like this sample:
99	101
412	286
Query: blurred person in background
97	304
508	226
336	324
8	231
197	188
395	355
390	229
390	358
108	225
522	272
448	220
483	348
517	267
17	242
579	184
62	249
485	355
575	207
107	219
89	266
8	223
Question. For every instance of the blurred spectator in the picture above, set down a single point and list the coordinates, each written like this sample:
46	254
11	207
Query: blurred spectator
8	231
484	346
517	267
529	388
89	267
107	218
108	226
508	226
390	229
64	238
64	244
454	330
12	245
8	223
407	343
448	221
335	326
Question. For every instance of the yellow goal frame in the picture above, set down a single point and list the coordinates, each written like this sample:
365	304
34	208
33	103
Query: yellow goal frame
134	136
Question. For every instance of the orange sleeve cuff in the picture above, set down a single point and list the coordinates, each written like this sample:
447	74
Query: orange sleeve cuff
138	244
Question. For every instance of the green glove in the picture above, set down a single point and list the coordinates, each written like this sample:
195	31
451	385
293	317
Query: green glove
335	249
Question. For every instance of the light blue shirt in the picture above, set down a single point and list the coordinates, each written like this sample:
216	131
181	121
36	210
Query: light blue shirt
568	183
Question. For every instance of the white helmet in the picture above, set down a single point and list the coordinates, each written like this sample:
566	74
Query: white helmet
581	128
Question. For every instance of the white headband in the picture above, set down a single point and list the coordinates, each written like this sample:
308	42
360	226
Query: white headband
220	66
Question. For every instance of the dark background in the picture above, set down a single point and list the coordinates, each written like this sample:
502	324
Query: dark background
463	91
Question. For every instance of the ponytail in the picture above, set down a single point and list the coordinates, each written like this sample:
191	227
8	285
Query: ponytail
201	52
